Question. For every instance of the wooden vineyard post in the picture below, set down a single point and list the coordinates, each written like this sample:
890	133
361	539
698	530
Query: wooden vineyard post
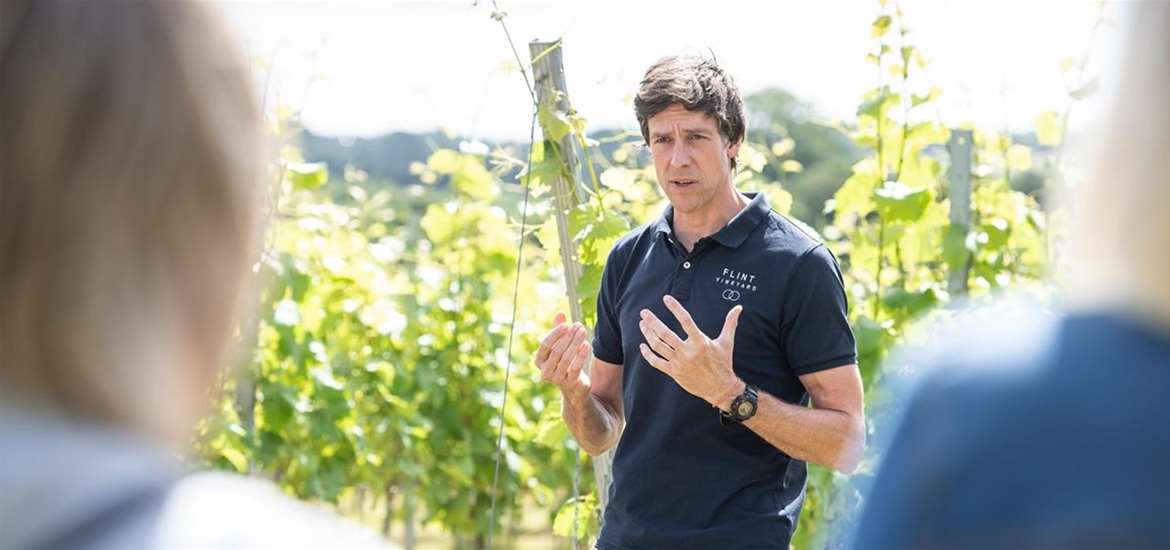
549	75
960	148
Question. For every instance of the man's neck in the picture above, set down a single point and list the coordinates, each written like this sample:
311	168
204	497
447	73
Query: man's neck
689	227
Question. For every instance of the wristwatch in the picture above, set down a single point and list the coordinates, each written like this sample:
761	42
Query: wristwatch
743	407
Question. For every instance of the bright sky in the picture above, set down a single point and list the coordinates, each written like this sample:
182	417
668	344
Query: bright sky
365	68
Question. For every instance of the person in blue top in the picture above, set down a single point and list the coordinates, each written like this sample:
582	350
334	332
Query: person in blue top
1053	431
717	323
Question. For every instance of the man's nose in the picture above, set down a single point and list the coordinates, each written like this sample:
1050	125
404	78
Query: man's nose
680	155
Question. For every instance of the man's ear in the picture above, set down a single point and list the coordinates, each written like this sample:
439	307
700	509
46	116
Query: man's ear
733	149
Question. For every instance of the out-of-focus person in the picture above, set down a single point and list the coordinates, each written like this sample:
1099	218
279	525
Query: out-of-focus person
1053	430
131	193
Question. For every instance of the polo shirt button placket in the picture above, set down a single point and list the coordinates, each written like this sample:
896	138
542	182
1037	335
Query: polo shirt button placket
681	289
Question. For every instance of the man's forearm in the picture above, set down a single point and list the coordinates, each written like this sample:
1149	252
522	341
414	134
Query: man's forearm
831	438
595	425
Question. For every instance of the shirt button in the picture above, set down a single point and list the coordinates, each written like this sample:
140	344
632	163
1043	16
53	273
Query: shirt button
686	265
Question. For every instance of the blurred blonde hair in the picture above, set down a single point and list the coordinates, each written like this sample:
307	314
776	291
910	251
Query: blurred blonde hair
130	202
1121	246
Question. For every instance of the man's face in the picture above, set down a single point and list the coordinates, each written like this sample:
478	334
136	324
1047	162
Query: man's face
691	158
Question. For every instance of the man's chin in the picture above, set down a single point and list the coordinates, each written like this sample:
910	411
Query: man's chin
686	201
685	205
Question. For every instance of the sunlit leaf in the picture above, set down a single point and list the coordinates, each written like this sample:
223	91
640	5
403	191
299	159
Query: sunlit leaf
553	121
310	175
444	161
576	518
751	158
933	94
957	246
549	237
618	178
1048	128
238	460
783	147
997	231
1020	157
897	202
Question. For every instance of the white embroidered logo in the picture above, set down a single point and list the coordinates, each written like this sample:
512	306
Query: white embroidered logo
731	295
737	279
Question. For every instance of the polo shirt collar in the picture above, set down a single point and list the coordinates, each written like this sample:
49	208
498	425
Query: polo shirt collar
736	231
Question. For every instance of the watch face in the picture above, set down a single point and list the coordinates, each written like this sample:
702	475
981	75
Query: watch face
745	408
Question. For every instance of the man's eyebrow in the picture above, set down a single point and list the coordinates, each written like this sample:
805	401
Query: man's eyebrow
687	131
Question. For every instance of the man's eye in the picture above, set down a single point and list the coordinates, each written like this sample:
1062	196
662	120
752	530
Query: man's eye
696	137
662	140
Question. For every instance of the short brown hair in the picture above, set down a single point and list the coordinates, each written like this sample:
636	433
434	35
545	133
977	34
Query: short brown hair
700	85
131	194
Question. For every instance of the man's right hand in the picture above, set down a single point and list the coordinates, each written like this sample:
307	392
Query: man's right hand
562	356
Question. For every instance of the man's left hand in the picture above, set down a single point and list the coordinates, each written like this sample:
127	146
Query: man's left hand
699	365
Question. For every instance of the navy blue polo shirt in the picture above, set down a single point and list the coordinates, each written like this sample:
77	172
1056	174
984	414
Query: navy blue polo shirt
681	478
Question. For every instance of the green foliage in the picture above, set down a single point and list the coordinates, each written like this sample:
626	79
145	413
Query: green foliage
308	175
578	518
1048	128
891	231
898	203
380	352
806	156
377	361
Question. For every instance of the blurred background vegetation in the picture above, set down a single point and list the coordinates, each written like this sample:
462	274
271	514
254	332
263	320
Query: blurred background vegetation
375	367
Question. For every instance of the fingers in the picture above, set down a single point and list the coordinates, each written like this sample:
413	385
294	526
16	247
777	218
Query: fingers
550	341
661	339
562	352
684	318
573	337
730	324
581	355
660	329
654	360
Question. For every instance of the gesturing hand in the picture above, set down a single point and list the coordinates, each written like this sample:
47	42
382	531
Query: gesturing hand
562	355
699	365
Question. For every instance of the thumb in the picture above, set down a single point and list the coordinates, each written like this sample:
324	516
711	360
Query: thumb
559	318
730	324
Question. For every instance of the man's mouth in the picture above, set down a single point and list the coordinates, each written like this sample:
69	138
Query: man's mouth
682	182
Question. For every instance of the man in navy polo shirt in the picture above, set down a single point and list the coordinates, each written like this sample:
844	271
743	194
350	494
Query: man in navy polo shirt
716	324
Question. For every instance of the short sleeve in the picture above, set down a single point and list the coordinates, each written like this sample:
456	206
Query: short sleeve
607	334
815	322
